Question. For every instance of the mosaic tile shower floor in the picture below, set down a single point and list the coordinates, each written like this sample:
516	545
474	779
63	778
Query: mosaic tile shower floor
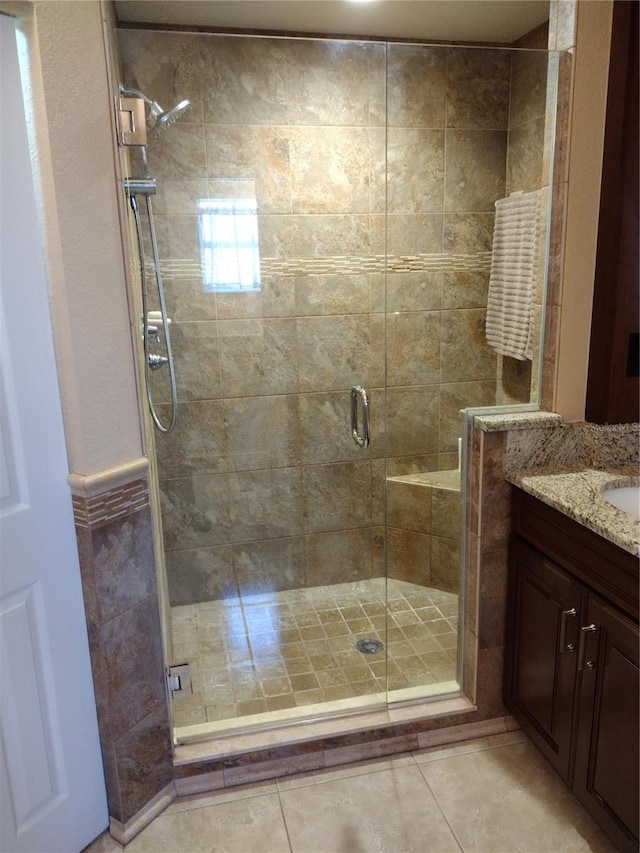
256	654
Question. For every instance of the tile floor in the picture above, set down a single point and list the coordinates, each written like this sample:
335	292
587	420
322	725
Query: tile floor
257	654
492	795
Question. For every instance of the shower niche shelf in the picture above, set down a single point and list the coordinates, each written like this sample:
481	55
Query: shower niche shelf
433	479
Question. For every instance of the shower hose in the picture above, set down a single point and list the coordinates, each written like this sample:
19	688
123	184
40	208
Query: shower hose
163	313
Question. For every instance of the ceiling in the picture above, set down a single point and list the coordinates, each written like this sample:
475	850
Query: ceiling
501	21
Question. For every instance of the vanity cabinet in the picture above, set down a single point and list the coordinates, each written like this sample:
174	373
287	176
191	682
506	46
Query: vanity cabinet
571	674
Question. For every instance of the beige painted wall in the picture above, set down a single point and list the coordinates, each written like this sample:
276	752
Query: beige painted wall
79	206
585	165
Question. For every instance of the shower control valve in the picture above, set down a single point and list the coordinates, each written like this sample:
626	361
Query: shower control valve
157	361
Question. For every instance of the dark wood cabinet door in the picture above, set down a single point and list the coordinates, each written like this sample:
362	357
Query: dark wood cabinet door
546	606
606	769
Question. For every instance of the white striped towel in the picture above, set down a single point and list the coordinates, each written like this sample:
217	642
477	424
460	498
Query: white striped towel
514	267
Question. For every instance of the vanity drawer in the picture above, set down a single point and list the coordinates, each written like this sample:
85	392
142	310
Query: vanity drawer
606	568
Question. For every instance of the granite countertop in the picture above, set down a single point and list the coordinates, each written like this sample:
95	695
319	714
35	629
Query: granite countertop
578	494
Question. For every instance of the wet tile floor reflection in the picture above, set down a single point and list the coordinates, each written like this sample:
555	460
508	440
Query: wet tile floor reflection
265	653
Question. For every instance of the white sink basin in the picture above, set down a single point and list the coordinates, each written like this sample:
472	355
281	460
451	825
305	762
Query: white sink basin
626	498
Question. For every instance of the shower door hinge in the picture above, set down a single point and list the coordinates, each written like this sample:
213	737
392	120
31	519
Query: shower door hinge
132	129
179	679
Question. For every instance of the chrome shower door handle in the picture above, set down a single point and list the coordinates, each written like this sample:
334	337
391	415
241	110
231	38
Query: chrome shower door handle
361	439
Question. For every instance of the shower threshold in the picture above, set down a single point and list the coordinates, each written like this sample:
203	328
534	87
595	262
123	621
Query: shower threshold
277	659
340	710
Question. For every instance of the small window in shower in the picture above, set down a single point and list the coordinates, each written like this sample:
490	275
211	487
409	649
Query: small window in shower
229	244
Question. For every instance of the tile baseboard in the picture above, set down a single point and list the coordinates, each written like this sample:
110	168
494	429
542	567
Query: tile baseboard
123	833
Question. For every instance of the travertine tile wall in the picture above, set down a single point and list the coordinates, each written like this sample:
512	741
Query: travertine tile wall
262	486
115	545
527	170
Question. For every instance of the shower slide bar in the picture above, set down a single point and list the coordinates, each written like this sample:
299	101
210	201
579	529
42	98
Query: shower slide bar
153	361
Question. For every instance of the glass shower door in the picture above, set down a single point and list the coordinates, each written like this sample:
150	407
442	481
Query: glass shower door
465	127
270	222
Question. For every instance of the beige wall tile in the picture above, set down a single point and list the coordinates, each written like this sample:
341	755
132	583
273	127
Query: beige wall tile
468	232
474	177
329	169
196	444
409	556
524	161
200	574
195	511
477	89
262	432
256	154
445	563
265	504
334	83
414	291
336	496
409	506
276	298
459	361
528	87
410	234
416	86
258	356
186	297
164	63
413	348
243	80
415	170
338	557
334	352
332	294
412	421
197	363
446	509
335	234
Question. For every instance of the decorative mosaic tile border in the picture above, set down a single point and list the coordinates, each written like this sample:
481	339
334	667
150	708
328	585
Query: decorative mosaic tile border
181	268
116	503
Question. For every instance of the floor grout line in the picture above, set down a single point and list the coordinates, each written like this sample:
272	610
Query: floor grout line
442	811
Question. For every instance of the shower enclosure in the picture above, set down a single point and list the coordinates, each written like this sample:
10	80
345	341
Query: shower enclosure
324	216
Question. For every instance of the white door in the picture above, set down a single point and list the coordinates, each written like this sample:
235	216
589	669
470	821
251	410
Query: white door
52	794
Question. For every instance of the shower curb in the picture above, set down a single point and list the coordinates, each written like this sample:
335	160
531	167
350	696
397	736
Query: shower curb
271	762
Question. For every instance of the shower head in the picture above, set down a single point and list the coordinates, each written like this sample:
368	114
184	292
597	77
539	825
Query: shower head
165	119
158	119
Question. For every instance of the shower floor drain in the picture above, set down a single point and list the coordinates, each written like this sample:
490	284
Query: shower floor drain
369	647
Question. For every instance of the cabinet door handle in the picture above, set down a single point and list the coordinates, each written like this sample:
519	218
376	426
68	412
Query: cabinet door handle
564	646
584	630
